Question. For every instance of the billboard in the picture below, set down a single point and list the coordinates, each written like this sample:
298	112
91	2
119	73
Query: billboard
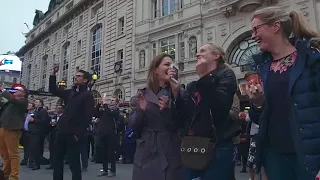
11	62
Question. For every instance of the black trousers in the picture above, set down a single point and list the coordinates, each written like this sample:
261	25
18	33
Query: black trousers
36	147
244	152
91	144
52	137
70	145
25	142
108	147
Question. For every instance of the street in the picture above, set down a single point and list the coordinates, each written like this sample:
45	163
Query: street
124	172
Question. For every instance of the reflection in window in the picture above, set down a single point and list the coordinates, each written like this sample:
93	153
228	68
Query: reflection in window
65	61
192	47
142	59
96	49
167	46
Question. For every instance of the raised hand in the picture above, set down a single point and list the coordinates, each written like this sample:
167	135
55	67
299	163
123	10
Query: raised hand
255	93
175	87
141	102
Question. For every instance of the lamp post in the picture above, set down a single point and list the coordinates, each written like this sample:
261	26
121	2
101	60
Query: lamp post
62	84
94	77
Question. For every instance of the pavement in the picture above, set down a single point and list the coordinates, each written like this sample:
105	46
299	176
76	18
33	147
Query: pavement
124	172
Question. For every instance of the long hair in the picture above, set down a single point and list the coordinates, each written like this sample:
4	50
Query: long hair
292	23
152	81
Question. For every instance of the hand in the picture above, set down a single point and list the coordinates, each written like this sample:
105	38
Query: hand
55	70
163	102
175	87
255	93
31	119
201	66
52	123
141	102
242	115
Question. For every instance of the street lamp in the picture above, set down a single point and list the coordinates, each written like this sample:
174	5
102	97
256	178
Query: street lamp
94	77
62	84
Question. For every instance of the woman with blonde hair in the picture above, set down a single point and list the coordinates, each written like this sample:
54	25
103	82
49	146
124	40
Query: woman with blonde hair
207	150
157	154
285	103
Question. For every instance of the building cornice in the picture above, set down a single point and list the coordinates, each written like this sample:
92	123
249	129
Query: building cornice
53	27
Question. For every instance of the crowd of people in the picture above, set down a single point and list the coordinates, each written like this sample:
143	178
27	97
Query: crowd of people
199	132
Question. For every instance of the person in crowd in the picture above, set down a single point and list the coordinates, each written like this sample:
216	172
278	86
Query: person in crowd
108	115
128	144
25	138
206	104
244	140
91	143
85	148
53	132
11	126
157	153
285	99
38	126
73	123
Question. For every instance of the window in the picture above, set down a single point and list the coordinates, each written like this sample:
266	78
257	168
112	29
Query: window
80	20
65	61
46	44
120	55
181	46
55	37
97	10
44	71
155	8
121	26
167	46
54	58
192	47
28	75
142	59
58	15
79	47
96	49
167	7
48	23
181	4
3	78
119	94
69	6
154	49
67	29
14	81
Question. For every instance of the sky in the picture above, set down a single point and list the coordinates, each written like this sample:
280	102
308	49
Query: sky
13	15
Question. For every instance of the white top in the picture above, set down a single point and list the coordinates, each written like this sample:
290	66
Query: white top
254	127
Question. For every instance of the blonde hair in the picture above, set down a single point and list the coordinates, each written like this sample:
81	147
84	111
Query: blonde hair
293	22
218	50
152	81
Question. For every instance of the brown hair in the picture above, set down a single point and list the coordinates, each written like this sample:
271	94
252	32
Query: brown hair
293	22
152	77
220	51
115	97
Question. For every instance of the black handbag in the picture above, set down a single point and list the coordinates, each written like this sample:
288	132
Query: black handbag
196	151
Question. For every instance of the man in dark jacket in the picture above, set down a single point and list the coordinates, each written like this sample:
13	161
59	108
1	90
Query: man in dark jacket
38	126
108	129
11	122
73	123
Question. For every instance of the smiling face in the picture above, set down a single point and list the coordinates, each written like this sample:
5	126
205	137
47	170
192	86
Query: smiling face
265	33
162	69
209	53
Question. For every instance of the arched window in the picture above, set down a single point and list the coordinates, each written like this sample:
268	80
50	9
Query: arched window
192	47
120	94
241	53
44	71
96	49
96	96
142	59
65	61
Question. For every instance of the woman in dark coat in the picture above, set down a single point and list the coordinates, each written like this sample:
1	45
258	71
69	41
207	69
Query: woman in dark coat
157	154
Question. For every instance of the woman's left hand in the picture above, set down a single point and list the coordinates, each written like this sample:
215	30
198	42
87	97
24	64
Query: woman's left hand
163	102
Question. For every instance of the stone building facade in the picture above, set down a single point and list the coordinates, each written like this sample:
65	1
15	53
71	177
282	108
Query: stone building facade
81	34
180	27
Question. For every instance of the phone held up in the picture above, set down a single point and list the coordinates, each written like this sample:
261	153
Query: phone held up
175	78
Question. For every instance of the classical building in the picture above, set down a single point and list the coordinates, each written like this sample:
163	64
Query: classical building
94	35
9	78
180	27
